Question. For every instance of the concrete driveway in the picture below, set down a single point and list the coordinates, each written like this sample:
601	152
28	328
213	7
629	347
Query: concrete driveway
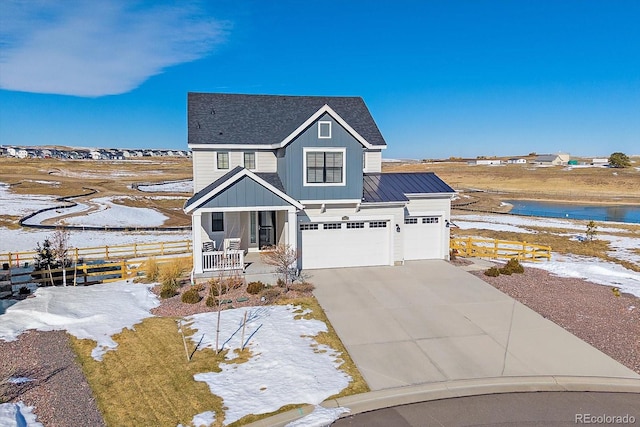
429	321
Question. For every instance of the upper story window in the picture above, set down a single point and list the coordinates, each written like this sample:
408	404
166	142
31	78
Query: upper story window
223	160
324	166
324	130
250	160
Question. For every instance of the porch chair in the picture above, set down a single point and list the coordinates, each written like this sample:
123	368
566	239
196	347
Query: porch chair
208	246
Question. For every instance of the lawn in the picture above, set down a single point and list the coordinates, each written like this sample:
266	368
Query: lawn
148	381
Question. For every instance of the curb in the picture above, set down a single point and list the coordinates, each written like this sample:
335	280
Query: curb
387	398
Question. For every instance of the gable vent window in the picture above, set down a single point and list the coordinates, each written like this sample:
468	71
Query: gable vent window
324	130
430	220
378	224
250	160
325	167
308	227
411	220
332	226
355	225
223	160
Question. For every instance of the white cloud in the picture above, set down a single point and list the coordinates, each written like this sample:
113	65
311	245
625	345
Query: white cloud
87	48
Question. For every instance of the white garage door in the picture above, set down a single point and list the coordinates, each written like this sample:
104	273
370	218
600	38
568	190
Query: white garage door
423	238
345	244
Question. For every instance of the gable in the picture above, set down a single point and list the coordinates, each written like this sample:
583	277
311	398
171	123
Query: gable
245	192
271	121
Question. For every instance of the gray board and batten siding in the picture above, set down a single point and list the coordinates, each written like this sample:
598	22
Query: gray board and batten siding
291	164
245	192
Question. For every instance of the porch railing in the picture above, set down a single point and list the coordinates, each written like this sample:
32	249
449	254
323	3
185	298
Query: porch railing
231	259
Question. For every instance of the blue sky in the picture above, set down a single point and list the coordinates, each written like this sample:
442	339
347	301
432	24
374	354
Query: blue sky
441	78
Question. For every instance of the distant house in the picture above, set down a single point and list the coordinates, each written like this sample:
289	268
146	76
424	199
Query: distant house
12	151
600	162
485	162
95	155
553	159
517	161
22	153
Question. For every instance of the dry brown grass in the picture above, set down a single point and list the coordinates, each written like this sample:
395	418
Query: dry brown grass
147	381
109	178
587	184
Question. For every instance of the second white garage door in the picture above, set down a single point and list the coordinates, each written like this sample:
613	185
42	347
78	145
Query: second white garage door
423	238
345	244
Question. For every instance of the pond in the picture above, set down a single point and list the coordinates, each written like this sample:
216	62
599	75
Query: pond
617	213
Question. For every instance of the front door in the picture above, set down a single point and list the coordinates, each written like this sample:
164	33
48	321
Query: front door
266	229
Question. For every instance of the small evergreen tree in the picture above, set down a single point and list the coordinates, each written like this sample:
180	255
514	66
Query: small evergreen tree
591	230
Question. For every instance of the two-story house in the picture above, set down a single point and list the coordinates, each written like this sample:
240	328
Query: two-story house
305	171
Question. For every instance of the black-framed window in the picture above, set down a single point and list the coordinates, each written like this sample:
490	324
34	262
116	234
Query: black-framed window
223	160
325	167
250	160
217	221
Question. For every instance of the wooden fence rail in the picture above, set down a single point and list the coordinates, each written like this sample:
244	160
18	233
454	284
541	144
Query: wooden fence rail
504	249
116	252
87	274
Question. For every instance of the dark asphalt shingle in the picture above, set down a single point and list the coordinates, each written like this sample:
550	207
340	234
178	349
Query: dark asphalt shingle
220	118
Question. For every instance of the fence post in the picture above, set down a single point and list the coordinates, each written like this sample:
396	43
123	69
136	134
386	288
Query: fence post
161	248
76	254
524	250
123	272
135	250
106	252
10	260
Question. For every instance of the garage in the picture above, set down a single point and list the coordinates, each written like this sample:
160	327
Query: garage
345	244
423	238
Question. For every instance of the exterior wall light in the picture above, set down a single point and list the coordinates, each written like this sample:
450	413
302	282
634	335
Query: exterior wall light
397	228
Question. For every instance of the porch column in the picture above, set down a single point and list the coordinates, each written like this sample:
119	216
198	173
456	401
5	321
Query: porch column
292	229
196	233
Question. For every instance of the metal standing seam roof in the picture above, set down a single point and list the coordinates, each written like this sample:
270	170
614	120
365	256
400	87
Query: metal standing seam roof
220	118
393	187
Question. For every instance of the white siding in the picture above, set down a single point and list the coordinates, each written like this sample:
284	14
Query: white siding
440	207
266	161
204	169
373	161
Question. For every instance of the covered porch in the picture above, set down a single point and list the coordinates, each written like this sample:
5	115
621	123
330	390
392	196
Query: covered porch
230	240
239	214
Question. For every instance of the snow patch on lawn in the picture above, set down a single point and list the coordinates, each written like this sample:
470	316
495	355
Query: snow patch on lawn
26	239
115	215
320	417
169	187
93	312
592	270
18	415
22	204
287	365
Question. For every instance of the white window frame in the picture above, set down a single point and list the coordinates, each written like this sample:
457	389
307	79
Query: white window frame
320	123
324	150
255	160
218	154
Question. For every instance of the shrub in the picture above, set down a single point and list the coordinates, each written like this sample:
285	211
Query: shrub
167	292
514	266
506	271
304	287
280	282
254	288
191	296
492	272
24	290
151	269
217	287
271	294
234	282
210	301
199	287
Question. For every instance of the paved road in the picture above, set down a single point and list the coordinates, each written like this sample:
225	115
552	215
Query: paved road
517	409
429	321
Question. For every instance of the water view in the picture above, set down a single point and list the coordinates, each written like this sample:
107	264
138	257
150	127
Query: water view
617	213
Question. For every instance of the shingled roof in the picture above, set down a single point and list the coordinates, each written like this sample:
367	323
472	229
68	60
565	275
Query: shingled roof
220	118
